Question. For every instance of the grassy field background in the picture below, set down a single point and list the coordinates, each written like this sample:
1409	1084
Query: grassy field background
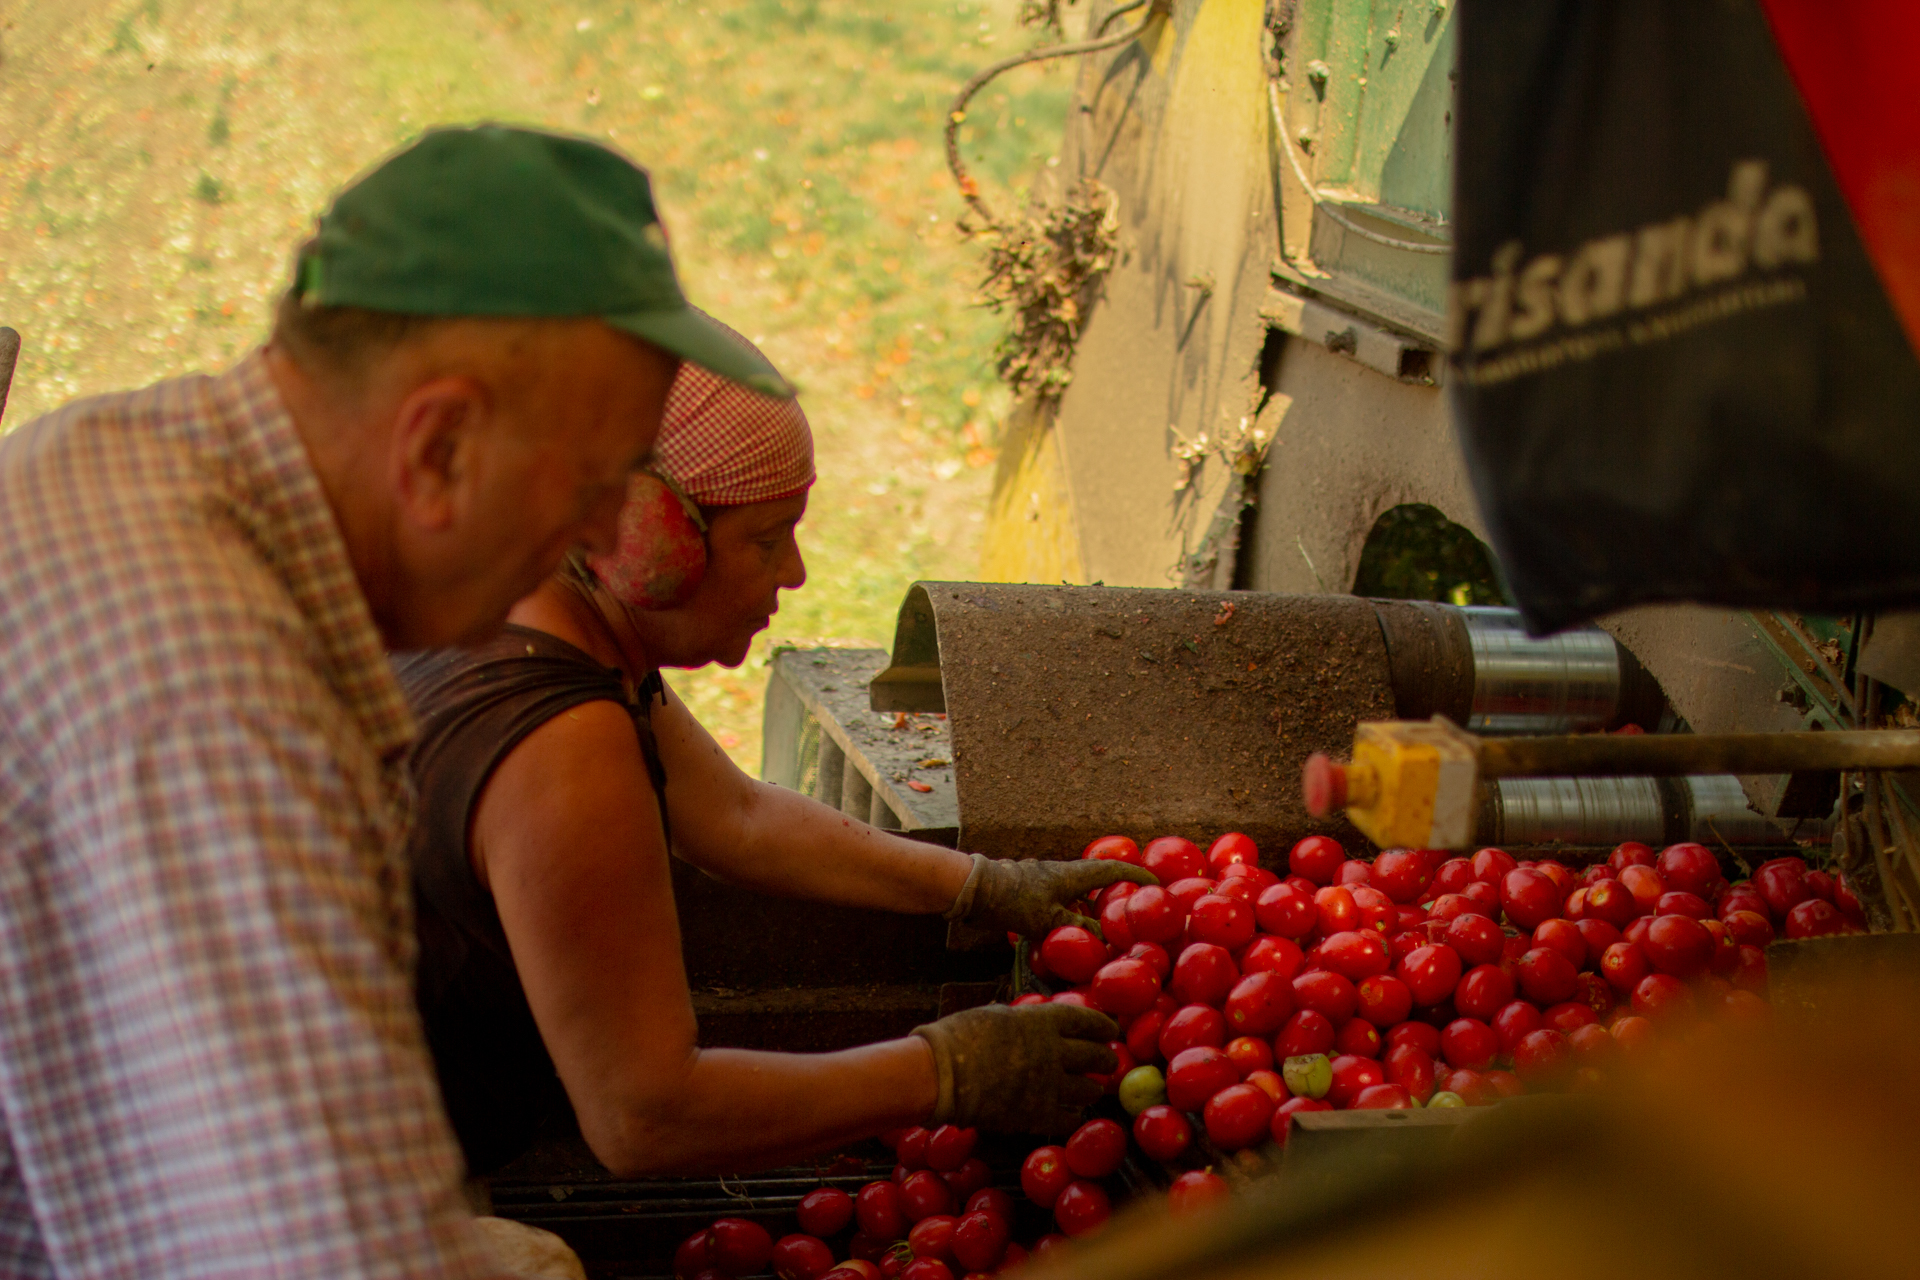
159	159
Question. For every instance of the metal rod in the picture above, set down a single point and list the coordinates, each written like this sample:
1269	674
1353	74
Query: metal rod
1676	754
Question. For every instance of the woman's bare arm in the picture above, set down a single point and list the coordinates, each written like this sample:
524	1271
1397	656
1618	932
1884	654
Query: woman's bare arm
765	837
567	837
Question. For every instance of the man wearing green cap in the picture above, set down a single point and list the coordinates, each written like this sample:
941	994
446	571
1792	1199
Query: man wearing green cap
210	1061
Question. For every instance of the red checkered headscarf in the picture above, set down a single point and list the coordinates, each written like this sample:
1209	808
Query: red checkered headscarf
725	446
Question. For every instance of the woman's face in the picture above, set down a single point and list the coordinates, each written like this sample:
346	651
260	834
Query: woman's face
751	555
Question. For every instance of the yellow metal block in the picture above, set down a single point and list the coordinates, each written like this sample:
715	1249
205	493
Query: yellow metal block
1411	784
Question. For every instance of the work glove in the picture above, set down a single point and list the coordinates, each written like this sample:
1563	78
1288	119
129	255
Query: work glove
1032	898
1019	1070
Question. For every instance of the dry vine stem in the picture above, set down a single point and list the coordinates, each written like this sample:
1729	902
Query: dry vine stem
1045	262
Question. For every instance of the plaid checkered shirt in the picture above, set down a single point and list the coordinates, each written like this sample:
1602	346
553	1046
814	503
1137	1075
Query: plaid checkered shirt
210	1060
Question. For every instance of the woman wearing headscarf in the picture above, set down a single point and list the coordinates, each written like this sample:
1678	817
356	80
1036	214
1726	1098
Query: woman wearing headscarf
556	770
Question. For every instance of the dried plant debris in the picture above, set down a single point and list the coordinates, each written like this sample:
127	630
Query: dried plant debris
1044	268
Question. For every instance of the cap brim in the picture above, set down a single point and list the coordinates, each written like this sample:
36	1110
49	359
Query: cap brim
693	335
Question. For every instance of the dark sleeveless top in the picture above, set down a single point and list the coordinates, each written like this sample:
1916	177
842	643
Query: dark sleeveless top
474	706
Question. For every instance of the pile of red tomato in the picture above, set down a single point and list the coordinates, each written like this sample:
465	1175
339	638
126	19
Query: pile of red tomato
1244	997
1416	979
934	1219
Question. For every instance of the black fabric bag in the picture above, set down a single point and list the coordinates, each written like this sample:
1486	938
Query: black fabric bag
1675	372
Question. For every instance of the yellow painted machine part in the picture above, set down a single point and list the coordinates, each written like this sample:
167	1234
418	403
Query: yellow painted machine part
1031	533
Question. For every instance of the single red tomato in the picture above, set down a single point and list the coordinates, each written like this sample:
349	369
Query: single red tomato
1468	1043
1358	1037
740	1247
1383	999
1749	928
1238	1116
1503	1084
1646	886
1193	1191
1282	1125
1307	1031
1351	1074
1450	906
1490	866
1220	920
924	1194
1594	992
1598	935
694	1255
1423	1036
1232	848
1383	1097
1401	875
1143	1035
1630	853
1411	1069
1116	848
1191	1026
1403	944
911	1149
1250	1054
1431	973
878	1209
1096	1148
974	1174
924	1269
1377	912
1352	872
1662	996
991	1200
1326	993
1483	991
1259	1004
1815	918
1484	897
932	1237
1203	974
1355	953
1567	1016
1162	1132
1452	876
1082	1207
1609	900
1154	915
1472	1087
949	1145
1269	1082
1280	956
1317	858
1623	965
980	1241
1285	911
1126	987
1074	953
1675	902
1114	928
1690	868
1678	945
1172	858
854	1269
1528	897
1043	1176
1243	889
1563	936
1591	1044
1337	910
825	1211
1515	1021
1542	1056
1477	939
1546	976
1196	1074
1742	897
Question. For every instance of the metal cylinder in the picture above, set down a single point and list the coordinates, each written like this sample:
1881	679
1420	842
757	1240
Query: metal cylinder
1601	812
1564	683
1478	667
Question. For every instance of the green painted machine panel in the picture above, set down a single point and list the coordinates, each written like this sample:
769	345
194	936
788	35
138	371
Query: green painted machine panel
1368	114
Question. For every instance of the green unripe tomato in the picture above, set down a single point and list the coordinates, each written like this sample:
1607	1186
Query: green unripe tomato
1309	1075
1446	1098
1141	1088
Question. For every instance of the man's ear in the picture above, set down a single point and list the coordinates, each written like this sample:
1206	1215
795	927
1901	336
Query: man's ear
439	434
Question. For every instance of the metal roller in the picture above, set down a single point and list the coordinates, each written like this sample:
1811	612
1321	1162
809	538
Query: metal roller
1600	812
1479	668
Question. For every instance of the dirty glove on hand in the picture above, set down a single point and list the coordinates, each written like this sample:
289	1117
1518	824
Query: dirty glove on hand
1032	898
1019	1070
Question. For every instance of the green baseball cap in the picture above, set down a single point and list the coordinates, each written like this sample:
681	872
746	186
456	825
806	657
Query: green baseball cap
500	221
